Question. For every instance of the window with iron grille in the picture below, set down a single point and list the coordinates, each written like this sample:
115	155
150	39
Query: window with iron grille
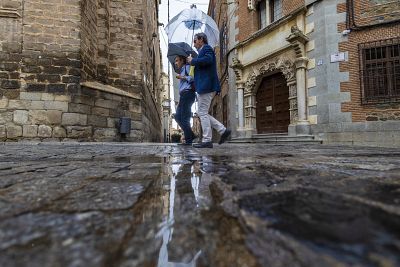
380	71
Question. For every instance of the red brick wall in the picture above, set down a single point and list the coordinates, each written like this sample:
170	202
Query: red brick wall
248	20
369	12
362	112
289	6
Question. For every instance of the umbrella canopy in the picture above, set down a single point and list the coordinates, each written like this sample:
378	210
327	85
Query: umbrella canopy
179	49
188	22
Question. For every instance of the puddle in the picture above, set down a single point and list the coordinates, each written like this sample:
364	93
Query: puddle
192	228
177	223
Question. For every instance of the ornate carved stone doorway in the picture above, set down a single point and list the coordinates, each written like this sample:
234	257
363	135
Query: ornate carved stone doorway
287	71
292	63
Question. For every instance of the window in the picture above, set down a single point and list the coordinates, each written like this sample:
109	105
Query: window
275	7
380	71
269	11
262	14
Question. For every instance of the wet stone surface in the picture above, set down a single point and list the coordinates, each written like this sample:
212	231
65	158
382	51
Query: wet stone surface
80	204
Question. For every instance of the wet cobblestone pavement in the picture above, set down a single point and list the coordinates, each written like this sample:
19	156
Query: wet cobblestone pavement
79	204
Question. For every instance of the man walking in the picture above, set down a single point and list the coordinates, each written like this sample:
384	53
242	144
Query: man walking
207	85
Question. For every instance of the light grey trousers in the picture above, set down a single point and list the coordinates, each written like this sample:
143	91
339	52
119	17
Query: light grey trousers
207	121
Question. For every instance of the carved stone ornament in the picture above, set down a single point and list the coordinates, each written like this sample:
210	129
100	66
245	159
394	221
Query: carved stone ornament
237	68
297	39
297	35
282	64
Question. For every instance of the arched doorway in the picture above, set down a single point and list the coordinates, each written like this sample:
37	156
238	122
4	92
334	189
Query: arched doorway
272	105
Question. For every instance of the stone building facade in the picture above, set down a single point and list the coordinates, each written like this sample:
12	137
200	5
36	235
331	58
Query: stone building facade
70	69
310	68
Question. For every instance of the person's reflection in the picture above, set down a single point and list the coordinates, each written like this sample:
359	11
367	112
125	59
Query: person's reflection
179	183
200	180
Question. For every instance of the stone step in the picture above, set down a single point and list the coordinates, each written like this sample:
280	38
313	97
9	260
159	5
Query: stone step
296	142
278	139
282	137
271	134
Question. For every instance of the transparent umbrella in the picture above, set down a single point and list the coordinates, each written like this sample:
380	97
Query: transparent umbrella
188	22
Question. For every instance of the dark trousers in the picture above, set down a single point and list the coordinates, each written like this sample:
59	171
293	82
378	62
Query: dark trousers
184	112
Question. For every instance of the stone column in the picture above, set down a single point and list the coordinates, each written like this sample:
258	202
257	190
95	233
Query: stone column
240	92
250	114
302	124
293	102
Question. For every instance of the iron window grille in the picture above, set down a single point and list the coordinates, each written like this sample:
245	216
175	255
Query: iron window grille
380	71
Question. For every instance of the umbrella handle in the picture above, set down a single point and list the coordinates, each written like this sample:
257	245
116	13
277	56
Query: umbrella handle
193	31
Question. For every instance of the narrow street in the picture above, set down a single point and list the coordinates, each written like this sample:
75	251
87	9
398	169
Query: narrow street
124	204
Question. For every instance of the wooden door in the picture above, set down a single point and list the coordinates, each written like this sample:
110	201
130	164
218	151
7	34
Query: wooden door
272	106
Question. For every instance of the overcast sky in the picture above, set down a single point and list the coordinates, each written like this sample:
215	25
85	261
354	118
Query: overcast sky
175	6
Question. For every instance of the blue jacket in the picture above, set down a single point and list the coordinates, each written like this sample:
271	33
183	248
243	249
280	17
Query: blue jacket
205	71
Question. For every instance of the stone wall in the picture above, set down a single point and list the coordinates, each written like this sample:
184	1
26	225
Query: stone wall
91	115
51	45
103	40
89	40
125	48
51	49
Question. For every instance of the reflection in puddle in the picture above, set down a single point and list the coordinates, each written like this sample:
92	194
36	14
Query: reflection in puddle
176	167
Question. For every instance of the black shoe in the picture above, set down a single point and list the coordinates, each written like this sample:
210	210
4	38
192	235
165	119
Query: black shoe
203	145
224	136
193	136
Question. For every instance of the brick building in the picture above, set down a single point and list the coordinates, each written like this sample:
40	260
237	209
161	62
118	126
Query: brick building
310	69
69	69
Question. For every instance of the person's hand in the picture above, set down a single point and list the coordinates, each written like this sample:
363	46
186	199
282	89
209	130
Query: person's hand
189	59
178	76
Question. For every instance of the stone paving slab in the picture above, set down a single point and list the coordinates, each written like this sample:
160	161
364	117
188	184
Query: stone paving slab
124	204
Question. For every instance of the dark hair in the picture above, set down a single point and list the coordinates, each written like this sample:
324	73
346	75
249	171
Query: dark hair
202	36
182	57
